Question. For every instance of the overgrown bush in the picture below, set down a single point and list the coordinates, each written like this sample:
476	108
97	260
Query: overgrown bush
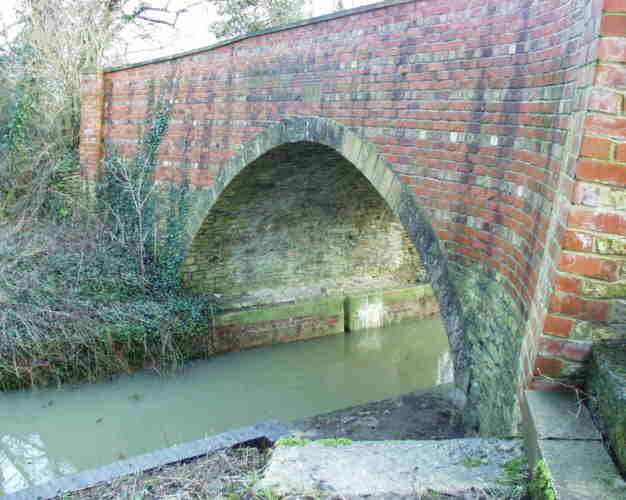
74	307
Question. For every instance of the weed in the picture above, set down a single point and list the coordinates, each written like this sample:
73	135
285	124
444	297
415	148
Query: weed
516	470
469	461
541	483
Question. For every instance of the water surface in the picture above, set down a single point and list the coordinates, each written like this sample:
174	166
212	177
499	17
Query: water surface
47	433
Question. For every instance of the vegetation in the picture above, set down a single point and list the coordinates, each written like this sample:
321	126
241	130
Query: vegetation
85	293
292	441
335	441
227	474
541	483
75	307
238	17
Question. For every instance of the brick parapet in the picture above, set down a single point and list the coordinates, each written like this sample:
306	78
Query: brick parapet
91	124
589	301
469	104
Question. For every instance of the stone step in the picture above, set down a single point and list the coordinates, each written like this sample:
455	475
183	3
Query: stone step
606	385
565	450
455	468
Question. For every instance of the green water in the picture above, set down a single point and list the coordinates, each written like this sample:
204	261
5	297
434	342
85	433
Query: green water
47	433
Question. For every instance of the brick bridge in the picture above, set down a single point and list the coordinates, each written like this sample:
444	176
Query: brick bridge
494	130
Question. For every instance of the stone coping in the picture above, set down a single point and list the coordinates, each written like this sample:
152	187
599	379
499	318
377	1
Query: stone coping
273	29
565	449
395	292
271	431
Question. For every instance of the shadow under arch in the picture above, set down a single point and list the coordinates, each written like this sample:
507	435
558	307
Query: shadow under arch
398	196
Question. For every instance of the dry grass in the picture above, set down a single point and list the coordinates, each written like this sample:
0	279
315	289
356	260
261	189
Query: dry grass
227	474
75	308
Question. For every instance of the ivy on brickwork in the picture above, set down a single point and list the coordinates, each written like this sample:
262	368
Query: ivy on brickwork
149	215
111	299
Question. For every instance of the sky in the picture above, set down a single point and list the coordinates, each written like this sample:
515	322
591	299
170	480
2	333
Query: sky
191	32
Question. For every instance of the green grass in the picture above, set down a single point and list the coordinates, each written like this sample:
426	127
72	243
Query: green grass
292	441
469	461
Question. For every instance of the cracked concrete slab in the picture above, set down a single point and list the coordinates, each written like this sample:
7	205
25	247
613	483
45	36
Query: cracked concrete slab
456	468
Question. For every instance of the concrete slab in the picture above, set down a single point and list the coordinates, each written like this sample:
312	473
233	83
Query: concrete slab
606	384
559	431
457	468
582	470
560	415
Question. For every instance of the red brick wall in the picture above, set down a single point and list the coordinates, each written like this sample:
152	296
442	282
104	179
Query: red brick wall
91	125
588	304
470	102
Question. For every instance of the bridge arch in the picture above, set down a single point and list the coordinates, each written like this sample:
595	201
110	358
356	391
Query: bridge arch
397	195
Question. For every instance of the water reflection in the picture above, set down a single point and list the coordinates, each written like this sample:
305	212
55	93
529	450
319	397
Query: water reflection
24	461
51	433
445	368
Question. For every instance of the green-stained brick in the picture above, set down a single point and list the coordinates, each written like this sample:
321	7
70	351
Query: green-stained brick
602	290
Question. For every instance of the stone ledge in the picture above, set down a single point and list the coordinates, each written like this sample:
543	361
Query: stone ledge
380	308
270	430
607	387
454	468
560	434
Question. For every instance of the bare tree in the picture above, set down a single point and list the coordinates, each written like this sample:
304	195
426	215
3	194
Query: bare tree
238	17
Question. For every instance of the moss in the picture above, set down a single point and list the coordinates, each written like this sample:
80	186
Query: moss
335	441
292	441
541	487
473	461
516	468
321	305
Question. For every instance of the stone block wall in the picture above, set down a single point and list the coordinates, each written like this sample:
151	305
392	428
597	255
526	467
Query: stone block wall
382	308
278	324
300	215
589	303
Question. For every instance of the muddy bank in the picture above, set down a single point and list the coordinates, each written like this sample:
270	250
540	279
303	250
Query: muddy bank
424	414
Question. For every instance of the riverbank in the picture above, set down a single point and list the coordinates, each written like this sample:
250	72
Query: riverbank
75	307
232	473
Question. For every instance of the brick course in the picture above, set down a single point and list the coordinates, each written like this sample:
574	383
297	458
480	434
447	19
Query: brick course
591	279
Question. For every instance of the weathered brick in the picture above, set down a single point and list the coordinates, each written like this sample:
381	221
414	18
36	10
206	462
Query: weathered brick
559	326
589	265
578	241
620	153
547	366
567	284
579	307
596	220
612	75
611	173
571	350
596	147
614	6
613	25
613	126
612	49
596	195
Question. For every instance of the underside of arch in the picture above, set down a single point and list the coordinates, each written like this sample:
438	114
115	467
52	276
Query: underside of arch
398	198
